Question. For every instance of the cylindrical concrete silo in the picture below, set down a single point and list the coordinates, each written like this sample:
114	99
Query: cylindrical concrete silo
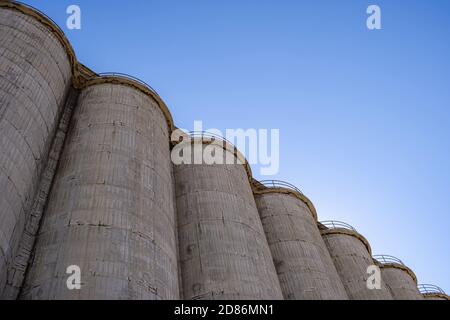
223	250
432	292
36	64
351	254
304	266
401	280
111	210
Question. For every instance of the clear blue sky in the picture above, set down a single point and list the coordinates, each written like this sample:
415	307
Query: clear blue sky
364	115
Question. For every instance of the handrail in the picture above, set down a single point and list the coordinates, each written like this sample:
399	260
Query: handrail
212	137
430	289
277	184
386	259
226	144
209	135
331	224
128	77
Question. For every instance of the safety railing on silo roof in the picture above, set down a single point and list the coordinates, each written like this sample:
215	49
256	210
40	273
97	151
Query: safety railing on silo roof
128	77
211	136
430	289
208	135
277	184
332	224
205	135
386	259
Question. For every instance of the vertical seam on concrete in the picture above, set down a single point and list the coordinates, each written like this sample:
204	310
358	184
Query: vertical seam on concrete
63	127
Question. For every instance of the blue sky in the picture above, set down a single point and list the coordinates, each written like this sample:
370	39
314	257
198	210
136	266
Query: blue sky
364	116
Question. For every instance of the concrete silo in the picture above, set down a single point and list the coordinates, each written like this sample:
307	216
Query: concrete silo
401	280
304	266
432	292
223	250
351	254
87	182
111	209
36	63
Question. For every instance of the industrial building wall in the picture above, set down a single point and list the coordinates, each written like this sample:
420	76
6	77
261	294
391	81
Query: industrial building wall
35	75
352	257
223	250
111	208
303	264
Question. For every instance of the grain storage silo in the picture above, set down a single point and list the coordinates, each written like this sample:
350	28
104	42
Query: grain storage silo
111	210
351	254
303	263
401	280
223	250
432	292
36	64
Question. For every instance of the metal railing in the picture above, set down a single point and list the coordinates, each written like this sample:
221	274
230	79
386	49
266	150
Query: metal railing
211	136
208	135
128	77
331	224
279	184
385	259
215	137
429	289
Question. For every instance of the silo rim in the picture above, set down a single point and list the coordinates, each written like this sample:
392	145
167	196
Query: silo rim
401	267
436	295
299	195
49	24
81	75
219	141
123	79
348	232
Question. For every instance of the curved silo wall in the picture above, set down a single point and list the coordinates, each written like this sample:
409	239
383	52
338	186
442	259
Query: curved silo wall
223	250
19	265
111	208
35	76
401	282
304	266
352	256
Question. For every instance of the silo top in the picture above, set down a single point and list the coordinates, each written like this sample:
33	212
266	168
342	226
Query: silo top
81	75
387	261
207	138
432	291
338	227
278	186
48	23
91	79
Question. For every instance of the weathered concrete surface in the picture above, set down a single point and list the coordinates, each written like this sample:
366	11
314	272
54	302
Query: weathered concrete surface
352	257
18	267
111	208
223	250
304	266
35	75
401	282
